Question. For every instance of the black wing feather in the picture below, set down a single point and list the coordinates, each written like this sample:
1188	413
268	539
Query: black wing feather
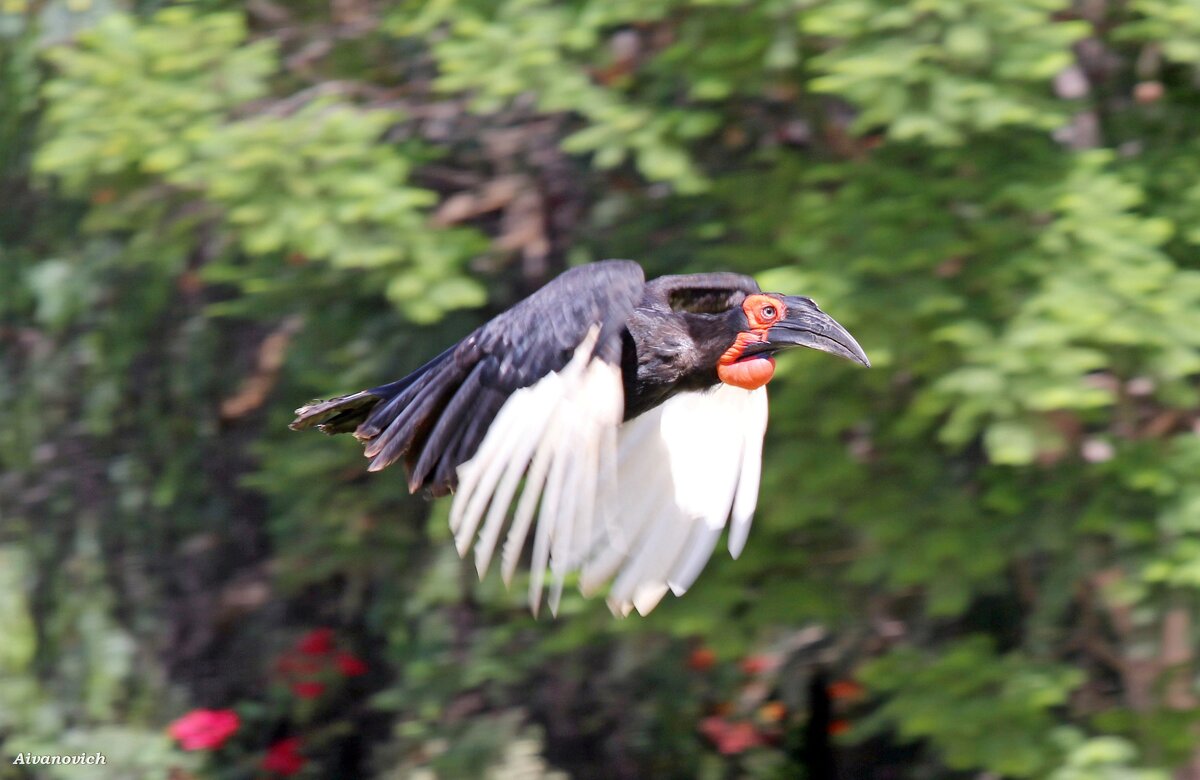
422	417
410	423
450	426
354	412
699	293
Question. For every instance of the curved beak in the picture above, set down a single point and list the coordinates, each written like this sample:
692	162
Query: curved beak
807	326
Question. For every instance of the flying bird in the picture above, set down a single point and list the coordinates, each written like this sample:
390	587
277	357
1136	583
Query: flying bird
619	421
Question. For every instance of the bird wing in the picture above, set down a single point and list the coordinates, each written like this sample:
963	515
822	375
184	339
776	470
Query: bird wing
643	502
699	293
684	468
520	419
437	417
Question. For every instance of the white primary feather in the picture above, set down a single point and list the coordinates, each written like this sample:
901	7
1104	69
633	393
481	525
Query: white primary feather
693	450
558	435
642	490
644	501
523	518
511	441
691	562
746	499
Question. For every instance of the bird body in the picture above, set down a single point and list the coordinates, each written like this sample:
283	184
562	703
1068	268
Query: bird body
617	420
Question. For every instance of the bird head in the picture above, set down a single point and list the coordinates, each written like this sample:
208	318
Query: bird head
770	322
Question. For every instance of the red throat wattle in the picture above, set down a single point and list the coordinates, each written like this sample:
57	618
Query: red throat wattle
747	374
762	311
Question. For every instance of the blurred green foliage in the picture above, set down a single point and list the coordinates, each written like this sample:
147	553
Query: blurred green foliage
212	213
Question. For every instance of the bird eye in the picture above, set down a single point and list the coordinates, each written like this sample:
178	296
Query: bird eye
768	312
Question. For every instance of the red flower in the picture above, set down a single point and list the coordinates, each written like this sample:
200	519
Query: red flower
283	758
839	727
730	738
351	665
204	729
702	659
297	666
308	689
757	664
319	641
845	689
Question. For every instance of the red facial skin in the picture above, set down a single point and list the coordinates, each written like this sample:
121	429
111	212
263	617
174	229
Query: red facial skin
762	311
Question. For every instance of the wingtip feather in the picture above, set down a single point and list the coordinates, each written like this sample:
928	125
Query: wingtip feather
648	596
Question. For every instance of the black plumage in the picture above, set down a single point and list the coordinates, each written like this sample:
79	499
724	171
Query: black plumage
436	416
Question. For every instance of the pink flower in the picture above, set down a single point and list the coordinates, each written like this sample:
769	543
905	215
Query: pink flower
204	729
730	738
351	665
319	641
283	757
308	689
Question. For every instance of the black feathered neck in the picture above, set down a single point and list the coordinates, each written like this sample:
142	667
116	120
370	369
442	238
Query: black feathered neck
668	352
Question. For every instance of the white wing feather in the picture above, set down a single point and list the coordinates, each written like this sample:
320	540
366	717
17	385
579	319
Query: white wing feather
701	444
644	501
746	499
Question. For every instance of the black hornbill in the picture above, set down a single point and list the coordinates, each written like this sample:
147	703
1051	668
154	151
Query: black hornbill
633	412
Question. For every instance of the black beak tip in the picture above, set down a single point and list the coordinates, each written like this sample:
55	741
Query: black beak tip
854	351
808	326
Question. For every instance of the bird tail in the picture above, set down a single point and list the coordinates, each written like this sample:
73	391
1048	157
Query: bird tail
347	413
393	420
337	415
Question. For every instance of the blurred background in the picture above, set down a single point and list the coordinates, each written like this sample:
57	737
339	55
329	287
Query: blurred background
979	559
